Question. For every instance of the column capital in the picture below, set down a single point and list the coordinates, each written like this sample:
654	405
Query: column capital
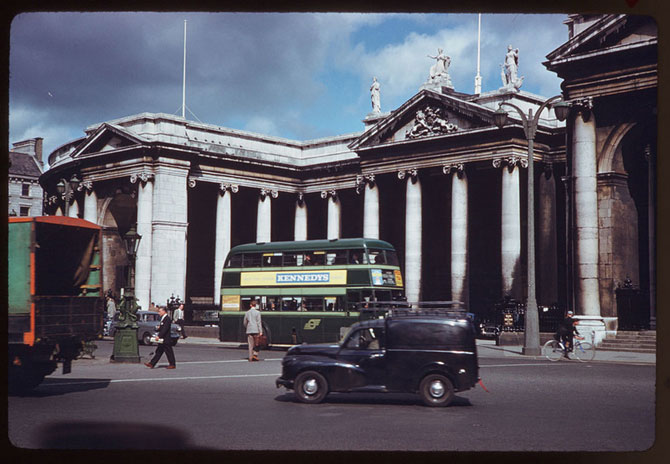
268	192
301	197
364	179
329	194
584	106
224	187
511	161
191	182
412	173
457	167
143	176
85	185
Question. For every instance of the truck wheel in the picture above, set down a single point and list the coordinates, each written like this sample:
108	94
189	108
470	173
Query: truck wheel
146	339
311	387
436	390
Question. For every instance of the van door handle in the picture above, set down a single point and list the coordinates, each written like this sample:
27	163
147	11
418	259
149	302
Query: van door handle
377	355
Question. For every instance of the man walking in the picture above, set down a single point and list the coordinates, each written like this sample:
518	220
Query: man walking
165	341
178	317
252	321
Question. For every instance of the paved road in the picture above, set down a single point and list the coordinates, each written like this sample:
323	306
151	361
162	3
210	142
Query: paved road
214	393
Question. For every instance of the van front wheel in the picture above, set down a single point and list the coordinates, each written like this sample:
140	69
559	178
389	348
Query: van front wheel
436	390
311	387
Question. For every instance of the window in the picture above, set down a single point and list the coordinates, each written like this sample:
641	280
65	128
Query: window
336	257
25	190
357	257
392	258
234	261
366	339
24	211
377	256
252	259
272	259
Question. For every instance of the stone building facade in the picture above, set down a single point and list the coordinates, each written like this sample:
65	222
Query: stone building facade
25	168
435	177
609	71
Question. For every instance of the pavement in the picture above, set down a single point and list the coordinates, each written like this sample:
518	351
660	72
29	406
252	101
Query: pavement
485	349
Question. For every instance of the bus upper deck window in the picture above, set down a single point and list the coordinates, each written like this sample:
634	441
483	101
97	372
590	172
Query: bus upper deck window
376	256
336	257
234	261
391	258
252	260
357	257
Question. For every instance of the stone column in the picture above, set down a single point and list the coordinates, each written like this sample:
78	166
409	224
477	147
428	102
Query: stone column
223	234
547	269
74	209
333	213
459	232
145	194
264	215
586	213
413	232
90	202
170	224
370	205
510	230
300	230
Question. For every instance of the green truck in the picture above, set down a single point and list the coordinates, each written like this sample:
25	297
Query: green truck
55	299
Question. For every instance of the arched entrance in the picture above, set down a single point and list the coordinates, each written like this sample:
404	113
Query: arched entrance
119	215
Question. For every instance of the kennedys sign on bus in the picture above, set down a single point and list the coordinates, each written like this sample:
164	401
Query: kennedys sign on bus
303	277
271	279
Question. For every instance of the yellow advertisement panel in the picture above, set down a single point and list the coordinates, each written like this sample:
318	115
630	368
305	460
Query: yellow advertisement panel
398	278
230	302
295	278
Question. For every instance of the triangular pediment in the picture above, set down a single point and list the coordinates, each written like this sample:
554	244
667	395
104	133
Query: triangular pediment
610	32
106	138
427	114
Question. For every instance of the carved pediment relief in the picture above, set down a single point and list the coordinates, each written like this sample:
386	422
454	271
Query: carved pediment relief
428	122
107	138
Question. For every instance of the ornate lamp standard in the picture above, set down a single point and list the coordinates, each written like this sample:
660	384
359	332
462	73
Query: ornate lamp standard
531	344
66	191
125	336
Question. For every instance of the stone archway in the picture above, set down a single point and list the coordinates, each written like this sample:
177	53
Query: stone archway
624	211
118	214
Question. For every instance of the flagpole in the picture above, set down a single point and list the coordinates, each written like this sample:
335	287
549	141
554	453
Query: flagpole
478	77
183	89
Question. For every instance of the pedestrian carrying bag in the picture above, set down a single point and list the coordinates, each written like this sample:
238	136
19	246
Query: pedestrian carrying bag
260	341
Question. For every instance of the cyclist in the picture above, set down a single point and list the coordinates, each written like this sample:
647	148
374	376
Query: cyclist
566	330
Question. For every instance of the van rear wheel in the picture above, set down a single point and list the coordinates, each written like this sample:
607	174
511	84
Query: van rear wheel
436	390
311	387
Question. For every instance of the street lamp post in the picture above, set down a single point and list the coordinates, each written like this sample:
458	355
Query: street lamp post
125	335
531	344
66	190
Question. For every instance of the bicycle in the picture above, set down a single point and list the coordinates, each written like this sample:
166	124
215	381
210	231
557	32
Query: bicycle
554	349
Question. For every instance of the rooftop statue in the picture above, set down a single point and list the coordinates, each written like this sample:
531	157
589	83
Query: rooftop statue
509	71
439	72
374	96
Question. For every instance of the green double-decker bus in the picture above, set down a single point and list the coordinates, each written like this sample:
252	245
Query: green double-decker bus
308	291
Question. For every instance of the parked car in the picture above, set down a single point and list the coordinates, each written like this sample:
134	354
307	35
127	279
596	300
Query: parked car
434	356
148	322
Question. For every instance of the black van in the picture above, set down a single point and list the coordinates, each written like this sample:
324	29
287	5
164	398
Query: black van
434	355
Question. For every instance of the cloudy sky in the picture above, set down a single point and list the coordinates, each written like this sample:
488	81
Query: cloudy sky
300	76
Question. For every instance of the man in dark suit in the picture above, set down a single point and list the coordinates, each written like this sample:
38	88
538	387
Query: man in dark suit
165	345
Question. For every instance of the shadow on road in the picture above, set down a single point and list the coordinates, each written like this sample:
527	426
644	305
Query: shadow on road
55	387
111	435
400	399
